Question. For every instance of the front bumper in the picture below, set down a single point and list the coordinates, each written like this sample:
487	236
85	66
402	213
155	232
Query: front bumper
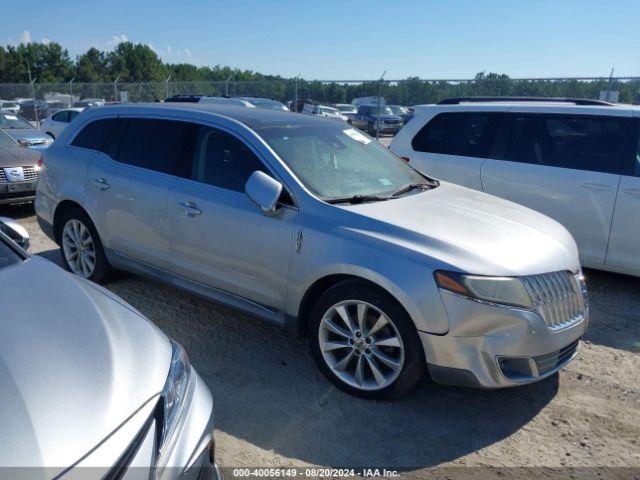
19	192
491	346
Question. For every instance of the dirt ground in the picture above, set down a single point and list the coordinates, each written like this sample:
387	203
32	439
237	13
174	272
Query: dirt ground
273	407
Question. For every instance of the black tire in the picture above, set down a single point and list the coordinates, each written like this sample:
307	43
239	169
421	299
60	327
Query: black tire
414	366
372	130
102	271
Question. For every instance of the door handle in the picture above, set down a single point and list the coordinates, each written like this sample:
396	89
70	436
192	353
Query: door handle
101	184
597	187
190	209
633	192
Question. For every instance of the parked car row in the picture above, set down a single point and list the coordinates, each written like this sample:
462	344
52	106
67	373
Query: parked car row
389	272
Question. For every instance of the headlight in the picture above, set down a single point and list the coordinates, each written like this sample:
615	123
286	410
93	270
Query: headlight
48	141
502	290
174	391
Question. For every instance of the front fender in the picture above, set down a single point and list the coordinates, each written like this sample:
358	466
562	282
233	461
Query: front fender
409	281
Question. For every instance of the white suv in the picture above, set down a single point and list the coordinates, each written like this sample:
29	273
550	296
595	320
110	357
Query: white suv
574	160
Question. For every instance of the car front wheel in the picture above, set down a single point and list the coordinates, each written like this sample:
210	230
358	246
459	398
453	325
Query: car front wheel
364	342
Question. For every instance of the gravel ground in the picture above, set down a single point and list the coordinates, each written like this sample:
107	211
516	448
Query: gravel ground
273	407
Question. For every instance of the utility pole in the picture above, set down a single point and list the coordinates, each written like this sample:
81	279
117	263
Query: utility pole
379	100
166	84
115	89
71	92
609	85
226	85
295	94
33	91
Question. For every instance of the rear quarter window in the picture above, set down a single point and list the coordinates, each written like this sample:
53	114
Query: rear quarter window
96	135
468	134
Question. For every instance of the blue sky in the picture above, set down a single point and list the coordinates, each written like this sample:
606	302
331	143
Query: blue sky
351	39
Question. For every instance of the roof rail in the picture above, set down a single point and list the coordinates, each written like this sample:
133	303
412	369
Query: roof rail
575	101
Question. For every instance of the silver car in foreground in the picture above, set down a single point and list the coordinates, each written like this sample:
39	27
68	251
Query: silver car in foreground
309	223
90	388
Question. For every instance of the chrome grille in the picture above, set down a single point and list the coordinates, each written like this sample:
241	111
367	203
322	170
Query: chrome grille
557	297
30	174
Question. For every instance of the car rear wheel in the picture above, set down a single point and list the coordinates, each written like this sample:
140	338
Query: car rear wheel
372	129
81	248
364	342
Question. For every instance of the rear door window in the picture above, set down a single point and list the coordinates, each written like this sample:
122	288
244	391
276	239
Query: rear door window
97	135
155	144
469	134
566	141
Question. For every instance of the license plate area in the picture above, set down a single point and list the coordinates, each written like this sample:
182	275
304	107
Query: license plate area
21	187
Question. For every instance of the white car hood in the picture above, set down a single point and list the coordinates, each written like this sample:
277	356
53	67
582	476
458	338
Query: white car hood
74	364
471	231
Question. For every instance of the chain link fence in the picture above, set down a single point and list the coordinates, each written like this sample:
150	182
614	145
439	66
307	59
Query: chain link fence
407	92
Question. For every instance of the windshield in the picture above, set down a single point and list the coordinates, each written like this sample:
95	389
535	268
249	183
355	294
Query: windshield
397	109
336	162
346	108
8	256
383	110
9	104
8	122
329	110
6	140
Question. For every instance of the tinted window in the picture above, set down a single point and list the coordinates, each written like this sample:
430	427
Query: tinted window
222	160
577	142
61	117
160	145
96	135
469	134
73	114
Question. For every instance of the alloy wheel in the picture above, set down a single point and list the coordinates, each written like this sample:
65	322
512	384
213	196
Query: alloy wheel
78	247
361	345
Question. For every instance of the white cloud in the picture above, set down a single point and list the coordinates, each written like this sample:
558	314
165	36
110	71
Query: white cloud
25	37
45	40
187	53
116	40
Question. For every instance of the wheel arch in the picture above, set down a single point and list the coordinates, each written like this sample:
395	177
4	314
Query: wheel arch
321	285
62	208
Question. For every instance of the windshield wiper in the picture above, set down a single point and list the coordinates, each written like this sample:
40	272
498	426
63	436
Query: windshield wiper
412	186
358	199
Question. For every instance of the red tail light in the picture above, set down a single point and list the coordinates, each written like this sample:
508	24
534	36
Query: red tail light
40	161
406	159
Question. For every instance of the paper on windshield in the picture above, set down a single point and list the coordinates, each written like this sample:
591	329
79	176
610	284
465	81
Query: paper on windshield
10	117
357	136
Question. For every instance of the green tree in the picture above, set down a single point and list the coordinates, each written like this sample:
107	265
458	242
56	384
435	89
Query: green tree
91	66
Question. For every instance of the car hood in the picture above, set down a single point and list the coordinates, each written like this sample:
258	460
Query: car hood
31	134
75	363
18	156
471	231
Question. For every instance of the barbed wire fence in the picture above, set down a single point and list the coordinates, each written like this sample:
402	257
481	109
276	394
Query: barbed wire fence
412	91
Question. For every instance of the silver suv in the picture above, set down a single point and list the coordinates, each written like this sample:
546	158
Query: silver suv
310	224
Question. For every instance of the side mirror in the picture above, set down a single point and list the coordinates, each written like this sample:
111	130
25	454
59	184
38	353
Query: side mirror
15	232
264	191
